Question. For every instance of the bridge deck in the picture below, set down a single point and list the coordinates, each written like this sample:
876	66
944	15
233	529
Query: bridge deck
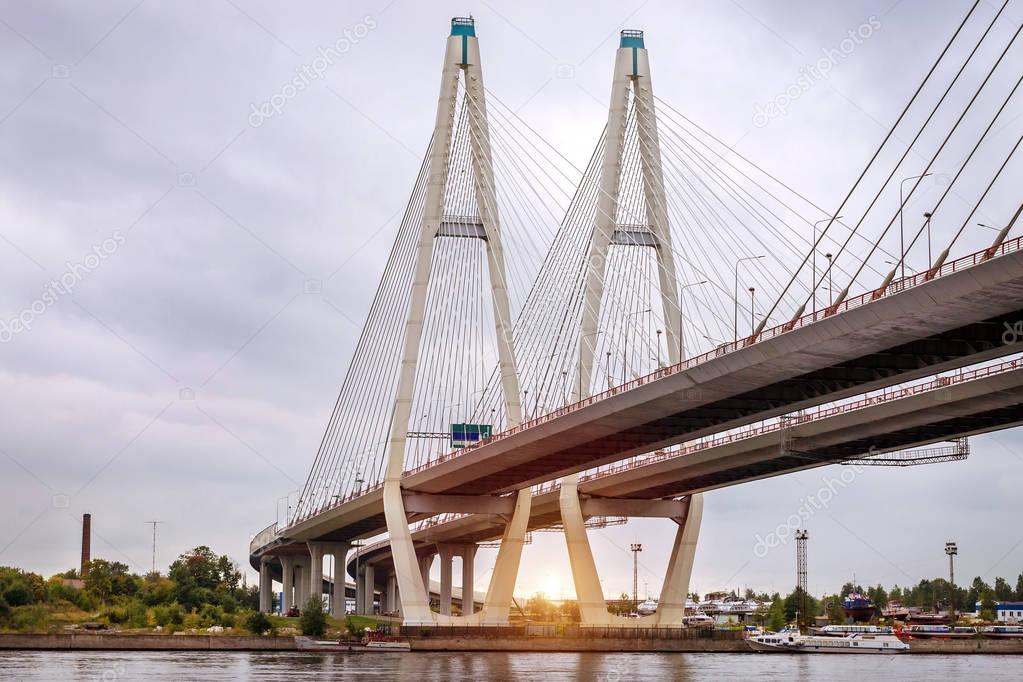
927	326
977	402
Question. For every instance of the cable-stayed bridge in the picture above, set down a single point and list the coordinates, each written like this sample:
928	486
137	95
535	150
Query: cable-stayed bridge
537	326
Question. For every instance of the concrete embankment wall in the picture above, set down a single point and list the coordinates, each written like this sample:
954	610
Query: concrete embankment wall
966	646
81	641
574	644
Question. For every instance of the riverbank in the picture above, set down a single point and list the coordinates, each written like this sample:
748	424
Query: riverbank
142	642
77	641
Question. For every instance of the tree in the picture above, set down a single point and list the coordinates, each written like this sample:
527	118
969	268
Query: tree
836	614
313	621
258	623
539	606
201	577
777	615
1002	590
794	603
878	596
987	606
570	609
108	579
1019	587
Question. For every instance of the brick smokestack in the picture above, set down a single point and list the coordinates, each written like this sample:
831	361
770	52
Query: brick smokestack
86	543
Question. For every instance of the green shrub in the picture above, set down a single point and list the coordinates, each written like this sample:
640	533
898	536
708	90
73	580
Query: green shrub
115	615
27	617
136	614
229	604
258	622
313	620
213	614
168	614
18	594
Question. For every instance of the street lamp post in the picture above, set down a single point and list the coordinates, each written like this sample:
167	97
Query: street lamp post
831	292
683	288
902	233
659	332
752	313
735	294
813	259
580	372
636	549
927	217
608	368
951	550
625	342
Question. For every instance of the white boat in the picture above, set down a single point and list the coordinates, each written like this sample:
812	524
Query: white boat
1003	631
938	632
846	630
795	643
388	646
647	607
698	621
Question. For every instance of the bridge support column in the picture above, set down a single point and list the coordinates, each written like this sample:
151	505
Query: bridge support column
468	579
425	566
461	57
266	593
301	581
672	604
287	583
316	552
592	605
339	551
447	555
390	595
589	593
368	588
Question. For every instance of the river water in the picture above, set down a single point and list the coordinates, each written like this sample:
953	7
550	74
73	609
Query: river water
113	666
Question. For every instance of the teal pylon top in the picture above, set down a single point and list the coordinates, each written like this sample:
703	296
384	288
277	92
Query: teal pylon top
631	38
463	26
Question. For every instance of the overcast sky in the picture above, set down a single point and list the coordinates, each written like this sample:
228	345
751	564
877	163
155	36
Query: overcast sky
188	373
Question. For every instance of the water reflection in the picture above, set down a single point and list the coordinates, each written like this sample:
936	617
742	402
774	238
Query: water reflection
112	666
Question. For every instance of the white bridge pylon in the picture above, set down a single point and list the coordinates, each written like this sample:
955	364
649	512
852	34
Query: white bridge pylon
461	62
631	75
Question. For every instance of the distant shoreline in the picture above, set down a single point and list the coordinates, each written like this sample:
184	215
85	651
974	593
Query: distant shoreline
148	642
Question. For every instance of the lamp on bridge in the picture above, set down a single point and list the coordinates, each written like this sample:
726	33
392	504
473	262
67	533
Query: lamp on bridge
902	205
813	257
752	310
735	293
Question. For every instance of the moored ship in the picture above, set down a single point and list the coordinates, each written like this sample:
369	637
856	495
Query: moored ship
795	643
859	607
846	630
